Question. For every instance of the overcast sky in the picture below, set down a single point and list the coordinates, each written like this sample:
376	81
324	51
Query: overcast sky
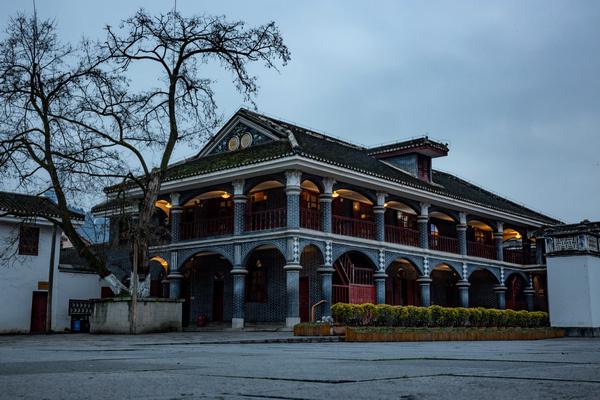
512	86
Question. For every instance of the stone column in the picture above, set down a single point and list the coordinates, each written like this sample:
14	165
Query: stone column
379	213
423	223
463	292
425	285
325	200
239	289
499	241
174	277
526	247
539	251
461	233
175	216
326	274
292	191
379	278
500	291
239	207
529	295
293	294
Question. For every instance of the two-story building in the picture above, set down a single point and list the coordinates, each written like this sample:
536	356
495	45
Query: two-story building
270	218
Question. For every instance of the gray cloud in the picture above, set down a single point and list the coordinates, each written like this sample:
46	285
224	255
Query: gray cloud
513	86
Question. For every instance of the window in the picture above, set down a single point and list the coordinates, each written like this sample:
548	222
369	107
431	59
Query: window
256	288
29	238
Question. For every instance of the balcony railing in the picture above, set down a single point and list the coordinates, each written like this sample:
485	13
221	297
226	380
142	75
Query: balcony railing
519	256
353	227
263	220
310	218
401	235
443	243
206	227
340	294
481	250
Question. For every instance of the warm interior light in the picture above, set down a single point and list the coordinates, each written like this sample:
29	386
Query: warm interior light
518	236
385	205
356	206
226	195
335	194
168	205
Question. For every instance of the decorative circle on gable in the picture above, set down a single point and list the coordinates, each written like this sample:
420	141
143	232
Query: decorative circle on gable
233	143
246	140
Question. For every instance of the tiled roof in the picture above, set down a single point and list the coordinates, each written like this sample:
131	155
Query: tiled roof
314	145
24	205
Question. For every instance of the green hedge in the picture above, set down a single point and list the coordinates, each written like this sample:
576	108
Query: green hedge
433	316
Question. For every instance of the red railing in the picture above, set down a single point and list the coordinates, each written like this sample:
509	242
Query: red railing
310	218
481	250
263	220
353	227
206	227
340	294
517	256
443	243
401	235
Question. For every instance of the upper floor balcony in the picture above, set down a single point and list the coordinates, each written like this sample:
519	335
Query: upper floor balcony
348	211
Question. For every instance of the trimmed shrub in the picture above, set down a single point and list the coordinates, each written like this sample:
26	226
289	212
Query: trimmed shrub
434	316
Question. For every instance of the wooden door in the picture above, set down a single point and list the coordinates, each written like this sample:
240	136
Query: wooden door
39	304
304	300
218	288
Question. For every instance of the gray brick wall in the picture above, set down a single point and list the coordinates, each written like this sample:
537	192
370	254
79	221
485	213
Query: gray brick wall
274	309
201	281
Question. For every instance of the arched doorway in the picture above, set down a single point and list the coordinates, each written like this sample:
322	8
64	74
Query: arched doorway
158	268
443	286
310	285
401	288
207	214
352	214
442	232
310	214
353	279
266	206
515	295
265	296
207	288
480	240
481	291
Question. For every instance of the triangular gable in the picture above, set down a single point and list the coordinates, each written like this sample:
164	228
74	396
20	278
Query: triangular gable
237	134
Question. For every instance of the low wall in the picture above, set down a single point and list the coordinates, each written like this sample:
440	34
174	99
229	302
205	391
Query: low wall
152	315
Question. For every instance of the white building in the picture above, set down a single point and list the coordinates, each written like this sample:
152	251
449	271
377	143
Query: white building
26	259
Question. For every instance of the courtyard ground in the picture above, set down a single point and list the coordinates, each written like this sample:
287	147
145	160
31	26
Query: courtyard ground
228	365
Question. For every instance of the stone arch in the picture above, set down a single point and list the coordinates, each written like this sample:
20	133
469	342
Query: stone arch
186	196
340	188
252	183
249	248
308	182
444	291
340	249
206	287
401	286
265	295
303	243
455	266
224	251
442	213
416	261
481	291
516	282
353	279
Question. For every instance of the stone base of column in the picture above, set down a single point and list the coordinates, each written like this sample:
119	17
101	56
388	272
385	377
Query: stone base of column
501	296
463	292
237	323
529	294
425	285
380	287
174	285
291	321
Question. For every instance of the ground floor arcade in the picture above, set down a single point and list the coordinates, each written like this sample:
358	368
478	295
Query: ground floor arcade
279	281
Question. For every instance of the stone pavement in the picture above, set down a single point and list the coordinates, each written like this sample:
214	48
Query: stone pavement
231	364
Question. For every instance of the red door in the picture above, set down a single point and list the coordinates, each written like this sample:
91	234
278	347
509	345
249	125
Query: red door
217	314
39	304
304	300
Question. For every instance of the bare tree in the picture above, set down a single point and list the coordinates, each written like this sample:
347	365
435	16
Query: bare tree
44	144
184	108
68	122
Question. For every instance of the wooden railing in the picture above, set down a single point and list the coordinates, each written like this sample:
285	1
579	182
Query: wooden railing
481	250
206	227
353	227
310	218
340	294
443	243
518	256
401	235
263	220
